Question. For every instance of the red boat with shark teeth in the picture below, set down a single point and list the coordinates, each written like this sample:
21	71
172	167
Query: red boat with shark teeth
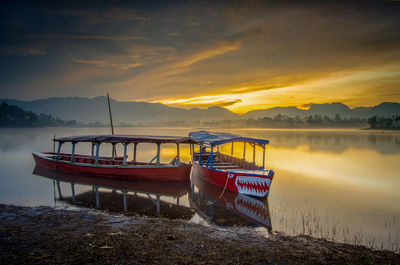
227	171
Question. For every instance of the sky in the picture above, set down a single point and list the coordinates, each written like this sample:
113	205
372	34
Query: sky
241	55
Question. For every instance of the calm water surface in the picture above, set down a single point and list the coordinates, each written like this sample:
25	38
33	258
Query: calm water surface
342	185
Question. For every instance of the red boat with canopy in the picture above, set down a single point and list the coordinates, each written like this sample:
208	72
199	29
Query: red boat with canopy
113	166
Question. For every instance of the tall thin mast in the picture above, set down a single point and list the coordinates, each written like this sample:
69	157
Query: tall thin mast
114	152
109	111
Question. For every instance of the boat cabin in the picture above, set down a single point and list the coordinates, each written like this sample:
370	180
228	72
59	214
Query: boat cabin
102	141
209	155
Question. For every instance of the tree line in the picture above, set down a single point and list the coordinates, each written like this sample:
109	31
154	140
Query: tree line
385	122
14	116
283	121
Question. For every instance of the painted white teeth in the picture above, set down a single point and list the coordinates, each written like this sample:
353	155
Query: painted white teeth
246	206
252	185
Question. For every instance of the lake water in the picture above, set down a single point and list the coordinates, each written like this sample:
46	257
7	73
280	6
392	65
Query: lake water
342	185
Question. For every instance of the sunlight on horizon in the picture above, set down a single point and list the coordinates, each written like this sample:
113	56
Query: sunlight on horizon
241	99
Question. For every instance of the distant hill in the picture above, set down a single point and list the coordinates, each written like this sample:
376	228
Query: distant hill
90	110
330	109
95	109
14	116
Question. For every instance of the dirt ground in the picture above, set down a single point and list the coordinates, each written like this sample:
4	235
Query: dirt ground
45	235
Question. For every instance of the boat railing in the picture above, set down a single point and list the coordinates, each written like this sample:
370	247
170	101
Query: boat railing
151	161
175	161
117	161
225	162
80	158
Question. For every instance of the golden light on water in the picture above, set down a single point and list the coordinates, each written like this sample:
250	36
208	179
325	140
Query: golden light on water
348	168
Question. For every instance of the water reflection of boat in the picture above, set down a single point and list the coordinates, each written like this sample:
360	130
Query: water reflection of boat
116	167
143	197
227	171
210	198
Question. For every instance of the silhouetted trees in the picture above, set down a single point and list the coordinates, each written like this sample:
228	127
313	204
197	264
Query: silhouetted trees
384	122
283	121
14	116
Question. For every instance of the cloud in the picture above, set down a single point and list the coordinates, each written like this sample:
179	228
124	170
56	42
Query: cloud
203	101
101	15
221	48
193	24
174	34
88	37
103	63
176	65
24	50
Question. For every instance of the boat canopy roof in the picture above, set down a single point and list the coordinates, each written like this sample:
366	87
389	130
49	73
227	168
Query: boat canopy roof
125	139
218	138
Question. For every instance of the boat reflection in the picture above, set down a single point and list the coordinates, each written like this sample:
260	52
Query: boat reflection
172	200
227	208
150	198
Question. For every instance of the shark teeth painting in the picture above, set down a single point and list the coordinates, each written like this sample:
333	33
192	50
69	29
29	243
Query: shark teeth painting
253	209
255	186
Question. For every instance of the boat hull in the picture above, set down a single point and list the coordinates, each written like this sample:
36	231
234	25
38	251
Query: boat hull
171	188
240	182
251	208
141	172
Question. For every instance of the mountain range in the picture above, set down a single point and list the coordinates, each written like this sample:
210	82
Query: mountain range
330	110
89	110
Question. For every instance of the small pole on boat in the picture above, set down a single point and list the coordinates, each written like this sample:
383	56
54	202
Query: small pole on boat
93	144
113	148
111	123
244	150
254	153
125	147
96	161
54	144
232	149
158	154
200	163
134	152
263	156
73	152
59	150
178	159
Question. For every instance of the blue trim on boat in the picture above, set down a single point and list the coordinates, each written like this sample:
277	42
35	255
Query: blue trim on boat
218	138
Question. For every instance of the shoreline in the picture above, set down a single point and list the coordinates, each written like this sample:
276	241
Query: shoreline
44	235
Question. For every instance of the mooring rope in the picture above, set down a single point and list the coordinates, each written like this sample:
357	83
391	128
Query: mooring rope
226	183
